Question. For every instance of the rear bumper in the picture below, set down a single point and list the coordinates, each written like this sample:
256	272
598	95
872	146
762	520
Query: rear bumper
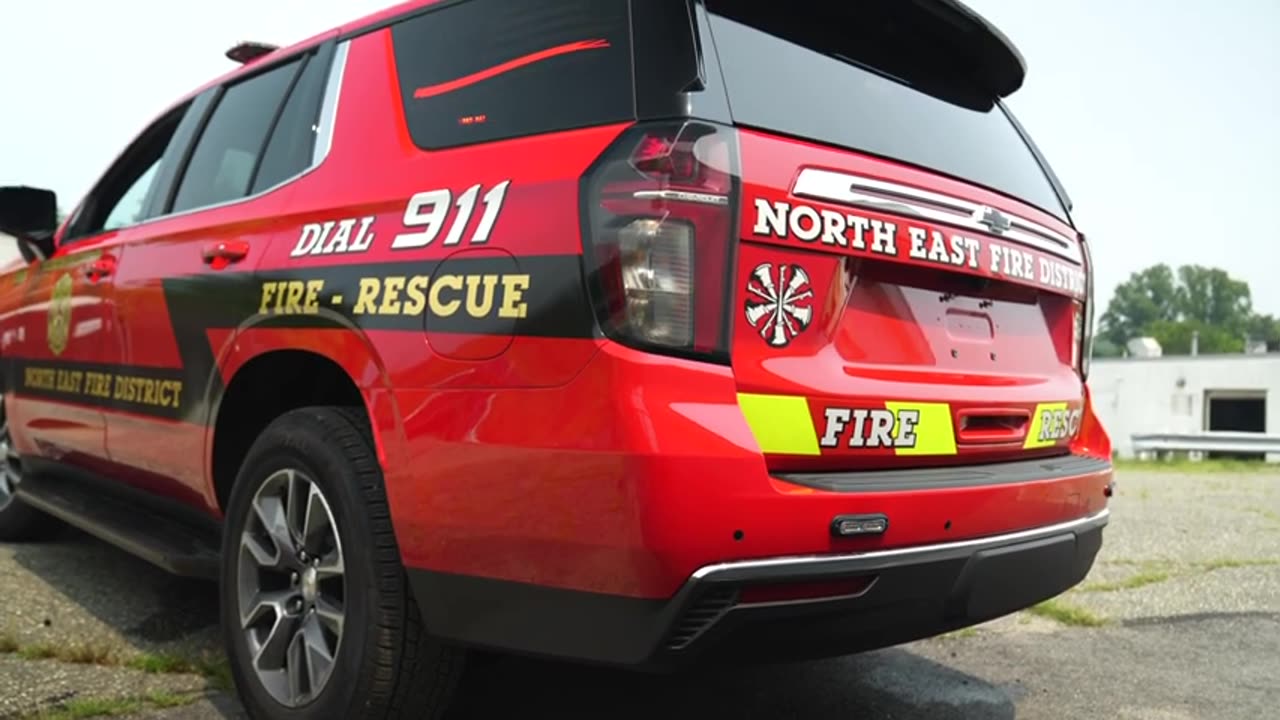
643	470
905	594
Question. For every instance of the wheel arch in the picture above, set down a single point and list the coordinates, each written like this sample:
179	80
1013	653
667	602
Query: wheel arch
271	371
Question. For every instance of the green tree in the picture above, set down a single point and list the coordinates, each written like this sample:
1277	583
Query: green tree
1146	297
1175	337
1174	307
1265	328
1213	297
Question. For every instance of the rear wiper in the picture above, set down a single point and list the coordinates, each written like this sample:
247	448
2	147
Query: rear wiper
871	69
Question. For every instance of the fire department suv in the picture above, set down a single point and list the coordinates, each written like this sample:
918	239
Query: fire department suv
634	333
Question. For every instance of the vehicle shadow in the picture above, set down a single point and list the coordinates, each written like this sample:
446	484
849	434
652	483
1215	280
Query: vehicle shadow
892	683
153	611
99	592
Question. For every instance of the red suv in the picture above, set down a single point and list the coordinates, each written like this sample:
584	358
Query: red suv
634	333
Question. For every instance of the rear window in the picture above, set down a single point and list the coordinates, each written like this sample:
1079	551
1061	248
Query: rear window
487	70
821	84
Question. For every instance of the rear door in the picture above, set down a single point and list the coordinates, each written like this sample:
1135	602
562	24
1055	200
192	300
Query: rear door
909	287
184	280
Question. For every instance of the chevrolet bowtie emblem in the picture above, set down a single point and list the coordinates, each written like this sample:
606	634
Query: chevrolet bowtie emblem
995	220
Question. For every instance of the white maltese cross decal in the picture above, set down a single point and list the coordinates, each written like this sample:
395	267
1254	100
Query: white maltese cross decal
780	302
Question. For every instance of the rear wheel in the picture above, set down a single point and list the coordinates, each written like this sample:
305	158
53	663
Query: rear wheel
18	521
317	615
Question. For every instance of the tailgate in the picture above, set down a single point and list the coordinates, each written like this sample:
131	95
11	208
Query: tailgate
907	283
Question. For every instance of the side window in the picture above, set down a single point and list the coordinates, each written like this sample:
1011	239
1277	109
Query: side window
294	139
492	69
123	196
131	207
222	165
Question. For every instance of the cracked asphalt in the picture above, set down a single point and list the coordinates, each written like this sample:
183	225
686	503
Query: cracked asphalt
1187	588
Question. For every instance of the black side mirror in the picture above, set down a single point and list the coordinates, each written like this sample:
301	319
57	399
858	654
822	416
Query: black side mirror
30	214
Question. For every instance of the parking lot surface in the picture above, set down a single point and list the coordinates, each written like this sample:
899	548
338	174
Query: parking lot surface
1179	619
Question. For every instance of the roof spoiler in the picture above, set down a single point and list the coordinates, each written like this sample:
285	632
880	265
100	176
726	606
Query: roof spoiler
247	52
998	60
939	47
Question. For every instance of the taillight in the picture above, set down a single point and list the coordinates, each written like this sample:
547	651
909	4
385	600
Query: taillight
1084	317
659	223
1077	335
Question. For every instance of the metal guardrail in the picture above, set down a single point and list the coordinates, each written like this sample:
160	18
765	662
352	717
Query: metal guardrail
1219	442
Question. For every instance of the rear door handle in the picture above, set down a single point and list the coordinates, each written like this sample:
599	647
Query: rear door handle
225	252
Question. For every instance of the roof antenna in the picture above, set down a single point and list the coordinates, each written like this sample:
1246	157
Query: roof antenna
247	52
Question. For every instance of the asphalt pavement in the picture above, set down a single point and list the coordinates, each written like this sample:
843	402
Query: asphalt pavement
1180	619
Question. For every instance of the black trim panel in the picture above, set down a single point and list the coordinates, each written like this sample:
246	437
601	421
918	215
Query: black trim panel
538	620
911	593
177	539
1019	471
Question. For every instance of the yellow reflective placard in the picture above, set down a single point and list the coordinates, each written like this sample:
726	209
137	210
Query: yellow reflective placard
781	423
934	432
1051	424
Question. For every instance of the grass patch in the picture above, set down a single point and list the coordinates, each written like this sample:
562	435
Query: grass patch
1150	572
214	668
160	664
1223	563
104	707
37	652
162	700
1185	465
1133	582
1266	514
76	654
1066	614
8	643
1131	562
961	634
87	654
217	670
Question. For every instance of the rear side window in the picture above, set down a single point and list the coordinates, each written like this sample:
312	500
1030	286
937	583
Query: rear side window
222	165
294	139
492	69
802	74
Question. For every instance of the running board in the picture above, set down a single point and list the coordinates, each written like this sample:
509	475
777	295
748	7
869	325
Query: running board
159	539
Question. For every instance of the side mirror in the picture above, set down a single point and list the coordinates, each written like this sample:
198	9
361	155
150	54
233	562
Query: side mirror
30	214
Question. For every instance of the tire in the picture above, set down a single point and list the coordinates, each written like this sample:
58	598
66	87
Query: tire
383	663
18	521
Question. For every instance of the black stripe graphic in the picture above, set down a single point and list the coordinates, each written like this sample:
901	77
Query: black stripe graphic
160	392
548	290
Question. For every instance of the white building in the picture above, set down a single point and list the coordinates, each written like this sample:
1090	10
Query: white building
1186	394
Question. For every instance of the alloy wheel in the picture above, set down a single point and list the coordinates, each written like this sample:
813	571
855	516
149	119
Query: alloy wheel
10	466
291	589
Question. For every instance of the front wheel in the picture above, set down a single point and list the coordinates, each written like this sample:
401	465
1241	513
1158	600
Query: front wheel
317	615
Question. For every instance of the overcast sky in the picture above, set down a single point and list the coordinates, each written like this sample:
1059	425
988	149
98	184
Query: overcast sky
1161	116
